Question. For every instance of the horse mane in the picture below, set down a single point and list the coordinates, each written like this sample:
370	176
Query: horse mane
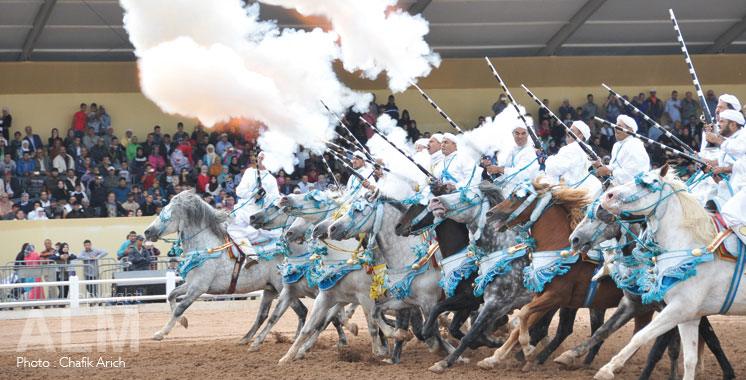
694	218
573	200
195	209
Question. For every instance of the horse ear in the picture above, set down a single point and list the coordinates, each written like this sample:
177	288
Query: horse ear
664	170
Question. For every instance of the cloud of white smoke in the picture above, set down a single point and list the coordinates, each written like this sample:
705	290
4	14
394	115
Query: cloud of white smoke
214	60
375	36
404	174
494	135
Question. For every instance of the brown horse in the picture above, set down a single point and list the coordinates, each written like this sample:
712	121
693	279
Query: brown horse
551	232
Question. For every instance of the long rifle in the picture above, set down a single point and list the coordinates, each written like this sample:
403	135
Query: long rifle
695	80
427	173
651	121
356	141
529	128
588	151
348	166
440	110
651	141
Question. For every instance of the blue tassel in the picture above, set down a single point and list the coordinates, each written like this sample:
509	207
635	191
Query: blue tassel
451	280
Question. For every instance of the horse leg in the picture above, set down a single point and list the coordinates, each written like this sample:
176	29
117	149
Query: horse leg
689	335
340	332
666	320
597	320
323	303
402	324
564	329
344	318
656	353
454	328
529	316
539	332
193	292
301	311
707	334
378	310
368	304
178	292
265	302
321	326
452	303
626	310
501	353
491	310
286	299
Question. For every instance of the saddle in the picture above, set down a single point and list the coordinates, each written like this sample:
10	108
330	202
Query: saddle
726	243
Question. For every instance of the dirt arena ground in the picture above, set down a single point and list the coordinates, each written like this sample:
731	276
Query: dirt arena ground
207	350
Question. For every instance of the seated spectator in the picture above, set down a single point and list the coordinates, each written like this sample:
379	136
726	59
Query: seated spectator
16	145
25	203
223	144
229	203
98	192
156	160
38	214
112	208
60	191
148	207
124	172
86	210
321	183
53	211
202	179
19	215
7	165
35	184
111	180
25	166
63	161
42	162
213	187
55	134
304	185
133	150
130	204
180	134
77	211
6	205
121	191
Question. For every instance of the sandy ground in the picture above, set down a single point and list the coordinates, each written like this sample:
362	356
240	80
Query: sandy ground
207	349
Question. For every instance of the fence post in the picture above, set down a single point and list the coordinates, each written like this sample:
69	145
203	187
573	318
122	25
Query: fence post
74	292
170	283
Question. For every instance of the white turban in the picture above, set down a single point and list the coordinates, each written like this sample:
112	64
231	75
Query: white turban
732	115
421	142
583	128
438	137
451	137
359	155
518	126
732	100
628	121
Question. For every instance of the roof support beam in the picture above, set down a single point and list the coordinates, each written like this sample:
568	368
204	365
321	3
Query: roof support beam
33	35
576	21
727	37
418	6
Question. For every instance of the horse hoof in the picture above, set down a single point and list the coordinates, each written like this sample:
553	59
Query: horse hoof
438	367
463	360
390	361
184	322
486	364
158	336
253	348
530	367
566	359
604	374
242	342
285	360
401	334
339	344
300	355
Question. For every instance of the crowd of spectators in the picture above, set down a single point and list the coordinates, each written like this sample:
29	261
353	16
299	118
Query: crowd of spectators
90	170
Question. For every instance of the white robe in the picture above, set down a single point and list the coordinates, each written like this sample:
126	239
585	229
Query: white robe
459	170
731	150
436	159
628	158
571	165
354	184
422	158
240	229
519	165
734	210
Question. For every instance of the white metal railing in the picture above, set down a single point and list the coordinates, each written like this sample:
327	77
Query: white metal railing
74	299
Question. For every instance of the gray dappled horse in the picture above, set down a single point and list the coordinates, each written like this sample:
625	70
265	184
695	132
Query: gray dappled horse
200	228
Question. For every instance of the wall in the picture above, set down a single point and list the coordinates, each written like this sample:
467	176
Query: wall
45	95
105	233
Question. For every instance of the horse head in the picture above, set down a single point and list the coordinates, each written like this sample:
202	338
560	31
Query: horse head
314	206
358	216
269	217
298	231
598	225
416	217
638	197
514	210
186	210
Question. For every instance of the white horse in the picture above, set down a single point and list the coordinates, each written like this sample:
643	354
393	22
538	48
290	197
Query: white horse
682	229
200	228
351	288
297	265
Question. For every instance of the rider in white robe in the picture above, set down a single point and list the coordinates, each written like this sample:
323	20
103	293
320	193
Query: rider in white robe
734	210
732	148
422	156
628	156
519	165
355	184
570	165
456	170
240	229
